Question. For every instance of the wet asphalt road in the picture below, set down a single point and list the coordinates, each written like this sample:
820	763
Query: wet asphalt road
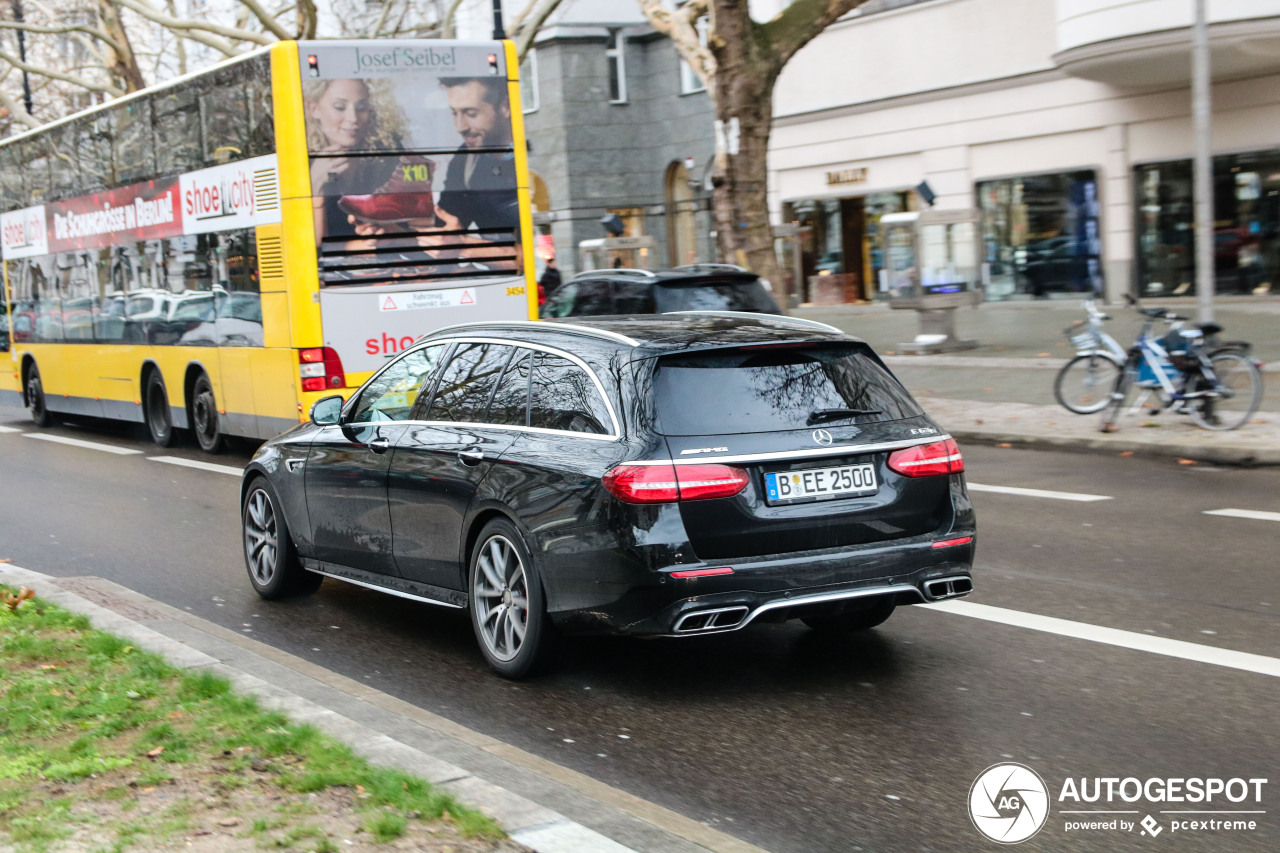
774	735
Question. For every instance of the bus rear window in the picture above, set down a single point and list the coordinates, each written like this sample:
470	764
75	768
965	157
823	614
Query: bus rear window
769	390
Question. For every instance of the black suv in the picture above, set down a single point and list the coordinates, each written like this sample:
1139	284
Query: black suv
697	287
670	475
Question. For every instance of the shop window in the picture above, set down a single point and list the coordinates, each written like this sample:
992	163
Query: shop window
1042	235
1246	238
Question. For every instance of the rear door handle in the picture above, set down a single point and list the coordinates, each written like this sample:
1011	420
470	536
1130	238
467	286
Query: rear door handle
471	456
379	445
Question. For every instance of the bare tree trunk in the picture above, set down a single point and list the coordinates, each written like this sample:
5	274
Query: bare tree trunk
123	64
743	92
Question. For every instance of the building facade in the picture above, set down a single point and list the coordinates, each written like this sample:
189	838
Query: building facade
617	124
1067	125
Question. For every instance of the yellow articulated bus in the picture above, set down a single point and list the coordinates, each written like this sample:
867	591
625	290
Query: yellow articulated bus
217	253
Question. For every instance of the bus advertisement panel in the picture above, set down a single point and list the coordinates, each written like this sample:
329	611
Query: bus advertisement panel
416	191
227	248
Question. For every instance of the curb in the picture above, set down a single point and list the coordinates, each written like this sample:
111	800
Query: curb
528	823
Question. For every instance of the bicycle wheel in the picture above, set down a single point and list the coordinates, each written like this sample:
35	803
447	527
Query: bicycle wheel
1084	383
1118	401
1239	392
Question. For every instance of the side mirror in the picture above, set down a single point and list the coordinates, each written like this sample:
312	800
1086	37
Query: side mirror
327	412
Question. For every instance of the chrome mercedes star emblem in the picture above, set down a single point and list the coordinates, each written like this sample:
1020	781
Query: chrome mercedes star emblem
821	436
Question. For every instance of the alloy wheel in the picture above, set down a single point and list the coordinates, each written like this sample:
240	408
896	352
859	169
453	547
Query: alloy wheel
501	592
261	537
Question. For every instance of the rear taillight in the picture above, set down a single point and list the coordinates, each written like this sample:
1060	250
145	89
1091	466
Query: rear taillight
655	484
321	369
928	460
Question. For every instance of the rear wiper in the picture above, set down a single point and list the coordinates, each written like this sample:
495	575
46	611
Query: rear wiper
823	415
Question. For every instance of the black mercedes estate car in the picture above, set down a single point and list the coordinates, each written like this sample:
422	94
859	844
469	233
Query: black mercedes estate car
673	475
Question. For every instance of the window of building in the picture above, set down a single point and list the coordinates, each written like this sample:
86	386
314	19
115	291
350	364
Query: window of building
616	54
1042	235
529	81
1246	213
690	82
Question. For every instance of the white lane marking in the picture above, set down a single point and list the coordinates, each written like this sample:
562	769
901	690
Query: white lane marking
194	463
1037	493
1255	514
1114	637
9	429
88	445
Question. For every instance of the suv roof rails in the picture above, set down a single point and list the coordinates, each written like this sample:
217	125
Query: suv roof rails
730	267
773	318
526	324
627	270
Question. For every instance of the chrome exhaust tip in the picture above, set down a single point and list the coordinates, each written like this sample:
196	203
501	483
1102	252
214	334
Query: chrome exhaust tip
704	621
940	589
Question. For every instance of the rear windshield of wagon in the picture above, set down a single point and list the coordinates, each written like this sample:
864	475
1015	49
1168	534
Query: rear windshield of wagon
775	388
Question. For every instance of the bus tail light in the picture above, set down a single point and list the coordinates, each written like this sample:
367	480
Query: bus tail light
321	369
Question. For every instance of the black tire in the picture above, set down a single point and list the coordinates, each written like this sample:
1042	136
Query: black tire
156	410
507	603
203	410
851	621
36	401
1241	387
269	553
1084	384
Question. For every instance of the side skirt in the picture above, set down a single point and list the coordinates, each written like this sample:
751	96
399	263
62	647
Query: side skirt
412	590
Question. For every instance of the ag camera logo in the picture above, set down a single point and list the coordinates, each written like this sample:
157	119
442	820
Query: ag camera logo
1008	803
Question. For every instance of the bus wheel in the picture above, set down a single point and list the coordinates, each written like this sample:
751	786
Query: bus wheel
35	399
204	416
159	420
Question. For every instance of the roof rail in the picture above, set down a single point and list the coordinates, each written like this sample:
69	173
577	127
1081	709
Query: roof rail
631	270
521	324
773	318
730	267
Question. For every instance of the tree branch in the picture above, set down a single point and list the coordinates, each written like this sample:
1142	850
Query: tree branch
17	112
70	28
104	88
796	25
528	24
199	31
450	28
681	26
267	20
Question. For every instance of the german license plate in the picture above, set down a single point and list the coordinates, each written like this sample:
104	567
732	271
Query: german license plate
784	486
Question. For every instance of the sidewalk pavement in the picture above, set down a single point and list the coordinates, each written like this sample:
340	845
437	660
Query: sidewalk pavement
541	805
1002	391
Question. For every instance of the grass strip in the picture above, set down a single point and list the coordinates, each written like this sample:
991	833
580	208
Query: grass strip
107	747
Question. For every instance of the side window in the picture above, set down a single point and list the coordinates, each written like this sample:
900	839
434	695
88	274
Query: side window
594	298
467	383
510	404
391	396
633	297
563	397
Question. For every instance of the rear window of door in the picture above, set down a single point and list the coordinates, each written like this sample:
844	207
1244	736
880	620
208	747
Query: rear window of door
564	397
467	383
768	390
510	404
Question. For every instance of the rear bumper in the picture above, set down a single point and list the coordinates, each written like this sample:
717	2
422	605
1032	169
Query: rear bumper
781	587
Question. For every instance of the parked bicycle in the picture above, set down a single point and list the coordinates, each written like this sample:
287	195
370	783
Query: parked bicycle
1220	386
1084	383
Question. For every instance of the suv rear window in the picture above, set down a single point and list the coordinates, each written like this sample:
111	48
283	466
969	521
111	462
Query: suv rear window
772	389
714	296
